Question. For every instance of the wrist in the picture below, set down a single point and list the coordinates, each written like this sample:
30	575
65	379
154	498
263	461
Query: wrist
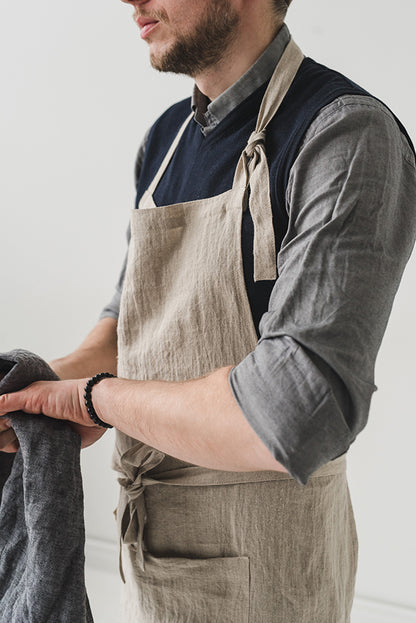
92	405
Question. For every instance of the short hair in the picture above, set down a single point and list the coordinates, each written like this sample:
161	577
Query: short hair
280	7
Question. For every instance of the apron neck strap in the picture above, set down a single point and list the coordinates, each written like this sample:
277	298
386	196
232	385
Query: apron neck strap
279	84
165	162
252	170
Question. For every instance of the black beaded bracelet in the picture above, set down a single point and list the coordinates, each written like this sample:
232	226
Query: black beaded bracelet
88	399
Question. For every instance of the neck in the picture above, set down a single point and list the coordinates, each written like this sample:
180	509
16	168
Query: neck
242	54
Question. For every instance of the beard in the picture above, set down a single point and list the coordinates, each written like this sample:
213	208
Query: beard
205	46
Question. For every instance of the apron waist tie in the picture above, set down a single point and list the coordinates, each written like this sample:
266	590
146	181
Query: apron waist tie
131	512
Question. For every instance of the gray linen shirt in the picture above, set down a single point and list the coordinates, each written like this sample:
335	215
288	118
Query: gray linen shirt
351	201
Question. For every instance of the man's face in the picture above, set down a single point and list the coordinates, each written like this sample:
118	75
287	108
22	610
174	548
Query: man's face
186	36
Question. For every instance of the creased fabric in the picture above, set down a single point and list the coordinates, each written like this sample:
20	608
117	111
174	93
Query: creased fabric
201	545
352	226
42	532
345	225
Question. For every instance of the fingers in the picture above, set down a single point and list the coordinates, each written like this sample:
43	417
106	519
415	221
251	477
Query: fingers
10	403
62	400
28	400
8	439
4	424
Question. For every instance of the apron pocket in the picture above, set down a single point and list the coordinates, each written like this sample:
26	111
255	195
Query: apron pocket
186	590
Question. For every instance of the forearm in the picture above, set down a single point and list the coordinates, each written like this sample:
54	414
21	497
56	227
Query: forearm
97	353
197	421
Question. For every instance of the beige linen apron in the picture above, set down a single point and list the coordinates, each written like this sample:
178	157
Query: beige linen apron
201	545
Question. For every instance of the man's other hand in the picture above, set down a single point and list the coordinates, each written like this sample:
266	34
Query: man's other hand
8	439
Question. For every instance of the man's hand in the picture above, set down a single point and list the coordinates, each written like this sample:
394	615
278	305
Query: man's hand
8	439
62	400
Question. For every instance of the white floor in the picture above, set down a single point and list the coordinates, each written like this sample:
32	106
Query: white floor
104	592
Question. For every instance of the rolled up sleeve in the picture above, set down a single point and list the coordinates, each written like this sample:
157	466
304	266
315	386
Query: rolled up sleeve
351	199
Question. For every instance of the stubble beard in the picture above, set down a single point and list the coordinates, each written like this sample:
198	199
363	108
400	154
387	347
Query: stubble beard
205	46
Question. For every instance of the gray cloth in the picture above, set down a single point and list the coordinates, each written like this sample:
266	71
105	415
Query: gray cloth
42	533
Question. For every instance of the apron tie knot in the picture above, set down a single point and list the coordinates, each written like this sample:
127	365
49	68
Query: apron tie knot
131	512
253	169
255	143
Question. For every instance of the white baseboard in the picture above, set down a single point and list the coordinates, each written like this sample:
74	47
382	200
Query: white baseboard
102	556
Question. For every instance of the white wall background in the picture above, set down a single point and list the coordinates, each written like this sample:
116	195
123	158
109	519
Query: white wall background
77	94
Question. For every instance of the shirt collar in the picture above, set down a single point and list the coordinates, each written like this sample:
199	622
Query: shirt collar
209	114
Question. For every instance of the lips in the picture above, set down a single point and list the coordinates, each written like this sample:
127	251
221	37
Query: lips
146	25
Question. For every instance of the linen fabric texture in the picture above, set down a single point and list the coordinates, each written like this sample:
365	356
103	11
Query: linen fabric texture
202	544
253	547
42	533
343	193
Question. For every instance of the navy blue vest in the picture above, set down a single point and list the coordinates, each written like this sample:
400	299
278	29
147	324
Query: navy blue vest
203	166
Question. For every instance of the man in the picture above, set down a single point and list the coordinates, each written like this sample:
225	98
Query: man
271	233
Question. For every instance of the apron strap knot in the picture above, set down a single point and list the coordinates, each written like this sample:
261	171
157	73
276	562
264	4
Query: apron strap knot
252	170
252	174
256	141
131	519
131	511
260	206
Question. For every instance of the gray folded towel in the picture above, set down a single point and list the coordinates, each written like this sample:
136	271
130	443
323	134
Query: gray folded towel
42	535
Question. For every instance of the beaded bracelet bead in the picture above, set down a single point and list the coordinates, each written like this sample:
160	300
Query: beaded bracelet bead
88	399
